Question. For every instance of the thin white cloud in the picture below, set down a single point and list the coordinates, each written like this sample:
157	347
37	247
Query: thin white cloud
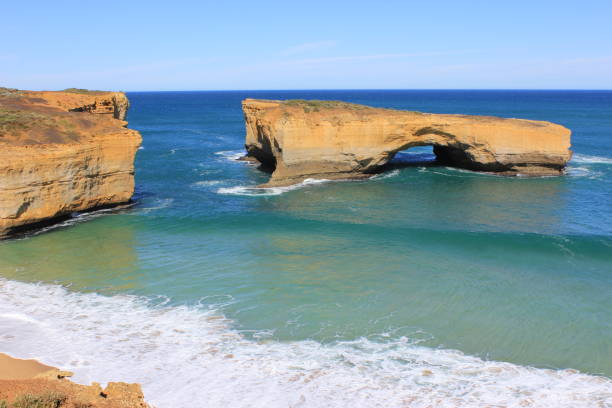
308	47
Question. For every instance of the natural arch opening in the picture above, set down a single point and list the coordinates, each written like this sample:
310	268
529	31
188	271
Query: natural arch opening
414	155
432	154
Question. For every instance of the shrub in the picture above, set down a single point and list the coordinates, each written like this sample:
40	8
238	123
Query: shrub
4	92
50	399
316	105
11	120
81	91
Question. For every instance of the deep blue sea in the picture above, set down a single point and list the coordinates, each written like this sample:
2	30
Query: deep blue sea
424	286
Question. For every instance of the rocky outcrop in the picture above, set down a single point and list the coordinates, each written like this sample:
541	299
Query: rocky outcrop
336	140
44	386
115	104
62	152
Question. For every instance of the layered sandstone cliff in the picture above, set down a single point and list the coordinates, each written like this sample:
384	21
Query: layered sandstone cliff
62	152
336	140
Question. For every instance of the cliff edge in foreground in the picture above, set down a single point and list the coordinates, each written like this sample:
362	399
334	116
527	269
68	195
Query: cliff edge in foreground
62	152
28	383
336	140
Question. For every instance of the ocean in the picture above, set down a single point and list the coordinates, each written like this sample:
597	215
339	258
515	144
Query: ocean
422	286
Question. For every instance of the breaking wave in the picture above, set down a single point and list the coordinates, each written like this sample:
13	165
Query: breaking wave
267	191
189	356
231	155
587	159
385	175
574	171
207	183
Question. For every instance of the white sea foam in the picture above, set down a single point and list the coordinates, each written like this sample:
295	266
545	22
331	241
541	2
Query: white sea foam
76	218
386	175
208	183
267	191
191	357
232	155
580	171
158	204
586	159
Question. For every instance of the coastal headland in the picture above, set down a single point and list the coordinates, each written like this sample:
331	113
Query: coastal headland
62	152
300	139
28	383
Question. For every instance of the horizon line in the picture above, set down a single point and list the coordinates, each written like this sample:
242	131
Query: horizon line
370	89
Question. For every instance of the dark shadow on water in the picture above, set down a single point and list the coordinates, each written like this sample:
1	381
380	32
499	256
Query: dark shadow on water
67	220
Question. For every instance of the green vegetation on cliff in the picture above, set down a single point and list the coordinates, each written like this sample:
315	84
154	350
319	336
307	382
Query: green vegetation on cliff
82	91
316	105
12	120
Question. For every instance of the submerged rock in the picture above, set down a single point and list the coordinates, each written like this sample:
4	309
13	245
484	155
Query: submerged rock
299	139
62	152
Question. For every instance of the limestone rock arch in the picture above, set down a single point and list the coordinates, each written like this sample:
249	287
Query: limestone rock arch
335	140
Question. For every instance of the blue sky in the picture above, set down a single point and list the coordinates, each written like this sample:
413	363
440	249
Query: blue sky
200	45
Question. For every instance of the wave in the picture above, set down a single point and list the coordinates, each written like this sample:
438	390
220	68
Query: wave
74	219
231	155
189	356
386	175
252	191
158	204
587	159
207	183
574	171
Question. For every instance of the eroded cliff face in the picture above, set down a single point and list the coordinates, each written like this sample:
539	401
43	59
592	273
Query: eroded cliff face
62	152
337	140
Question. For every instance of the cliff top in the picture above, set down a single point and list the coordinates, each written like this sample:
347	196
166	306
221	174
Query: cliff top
58	117
310	105
331	107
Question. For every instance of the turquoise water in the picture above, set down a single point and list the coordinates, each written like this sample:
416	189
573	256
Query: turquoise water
422	285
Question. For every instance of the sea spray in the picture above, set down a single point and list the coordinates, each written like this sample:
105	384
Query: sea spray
267	191
187	356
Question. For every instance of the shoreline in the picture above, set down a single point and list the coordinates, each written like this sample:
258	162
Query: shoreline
230	367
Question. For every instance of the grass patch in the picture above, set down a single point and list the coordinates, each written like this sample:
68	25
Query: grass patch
51	399
79	404
4	92
15	120
82	91
317	105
